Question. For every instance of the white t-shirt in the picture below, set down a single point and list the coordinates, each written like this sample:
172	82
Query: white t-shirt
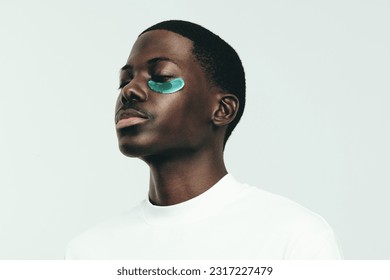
229	221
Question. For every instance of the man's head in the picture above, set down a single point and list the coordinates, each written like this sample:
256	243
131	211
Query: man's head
218	59
205	109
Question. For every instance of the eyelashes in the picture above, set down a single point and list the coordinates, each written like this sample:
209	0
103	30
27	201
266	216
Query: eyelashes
123	84
161	78
156	78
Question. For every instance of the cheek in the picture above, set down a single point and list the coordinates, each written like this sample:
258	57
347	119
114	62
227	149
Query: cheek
185	117
199	106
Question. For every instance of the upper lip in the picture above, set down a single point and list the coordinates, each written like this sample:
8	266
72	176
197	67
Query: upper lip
131	112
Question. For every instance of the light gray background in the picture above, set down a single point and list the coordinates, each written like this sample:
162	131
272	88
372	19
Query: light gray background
316	126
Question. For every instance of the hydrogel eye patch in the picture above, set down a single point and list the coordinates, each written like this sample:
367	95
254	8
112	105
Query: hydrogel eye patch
166	87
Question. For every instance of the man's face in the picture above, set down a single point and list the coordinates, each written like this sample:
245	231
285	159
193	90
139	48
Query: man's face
163	124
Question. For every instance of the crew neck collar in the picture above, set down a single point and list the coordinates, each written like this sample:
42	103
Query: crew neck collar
196	208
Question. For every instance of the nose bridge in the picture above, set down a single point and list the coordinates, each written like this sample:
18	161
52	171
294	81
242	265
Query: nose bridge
136	90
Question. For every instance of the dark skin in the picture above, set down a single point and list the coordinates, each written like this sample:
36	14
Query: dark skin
179	135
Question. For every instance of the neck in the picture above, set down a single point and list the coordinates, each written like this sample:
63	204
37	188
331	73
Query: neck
177	178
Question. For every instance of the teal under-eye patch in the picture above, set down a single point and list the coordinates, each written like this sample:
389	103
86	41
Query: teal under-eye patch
166	87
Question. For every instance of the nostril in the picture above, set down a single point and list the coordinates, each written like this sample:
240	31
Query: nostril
130	97
133	92
134	97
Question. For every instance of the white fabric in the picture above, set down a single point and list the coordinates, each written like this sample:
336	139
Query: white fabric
229	221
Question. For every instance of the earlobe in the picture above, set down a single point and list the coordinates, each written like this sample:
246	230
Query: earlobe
226	110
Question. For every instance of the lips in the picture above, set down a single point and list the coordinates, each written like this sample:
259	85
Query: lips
130	117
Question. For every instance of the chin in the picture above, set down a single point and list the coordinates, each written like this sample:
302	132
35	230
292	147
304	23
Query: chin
133	144
131	150
147	147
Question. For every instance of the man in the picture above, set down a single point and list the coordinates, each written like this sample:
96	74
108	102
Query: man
182	94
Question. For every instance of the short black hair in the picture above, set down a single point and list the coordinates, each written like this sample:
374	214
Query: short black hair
218	59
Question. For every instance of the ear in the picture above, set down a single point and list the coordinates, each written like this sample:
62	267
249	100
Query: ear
226	109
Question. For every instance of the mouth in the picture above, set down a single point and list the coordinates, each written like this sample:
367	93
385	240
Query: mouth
130	117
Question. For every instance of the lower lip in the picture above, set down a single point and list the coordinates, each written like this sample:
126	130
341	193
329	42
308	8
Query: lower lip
129	122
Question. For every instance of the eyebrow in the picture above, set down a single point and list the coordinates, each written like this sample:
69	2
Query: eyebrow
150	62
159	59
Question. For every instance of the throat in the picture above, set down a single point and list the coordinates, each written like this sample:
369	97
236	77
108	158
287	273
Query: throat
172	182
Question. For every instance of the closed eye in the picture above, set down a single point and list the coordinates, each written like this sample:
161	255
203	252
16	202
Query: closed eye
123	84
161	78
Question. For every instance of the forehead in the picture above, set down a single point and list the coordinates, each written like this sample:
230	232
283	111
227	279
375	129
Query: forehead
161	43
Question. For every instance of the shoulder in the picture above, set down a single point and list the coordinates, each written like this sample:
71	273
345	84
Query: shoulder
280	211
306	234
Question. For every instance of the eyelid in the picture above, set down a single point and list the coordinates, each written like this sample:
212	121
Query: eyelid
122	84
156	78
162	70
125	78
161	78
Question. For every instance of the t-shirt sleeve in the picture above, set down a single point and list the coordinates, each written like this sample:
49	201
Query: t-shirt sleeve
330	250
316	242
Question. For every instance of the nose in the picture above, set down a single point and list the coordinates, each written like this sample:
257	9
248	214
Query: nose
134	91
